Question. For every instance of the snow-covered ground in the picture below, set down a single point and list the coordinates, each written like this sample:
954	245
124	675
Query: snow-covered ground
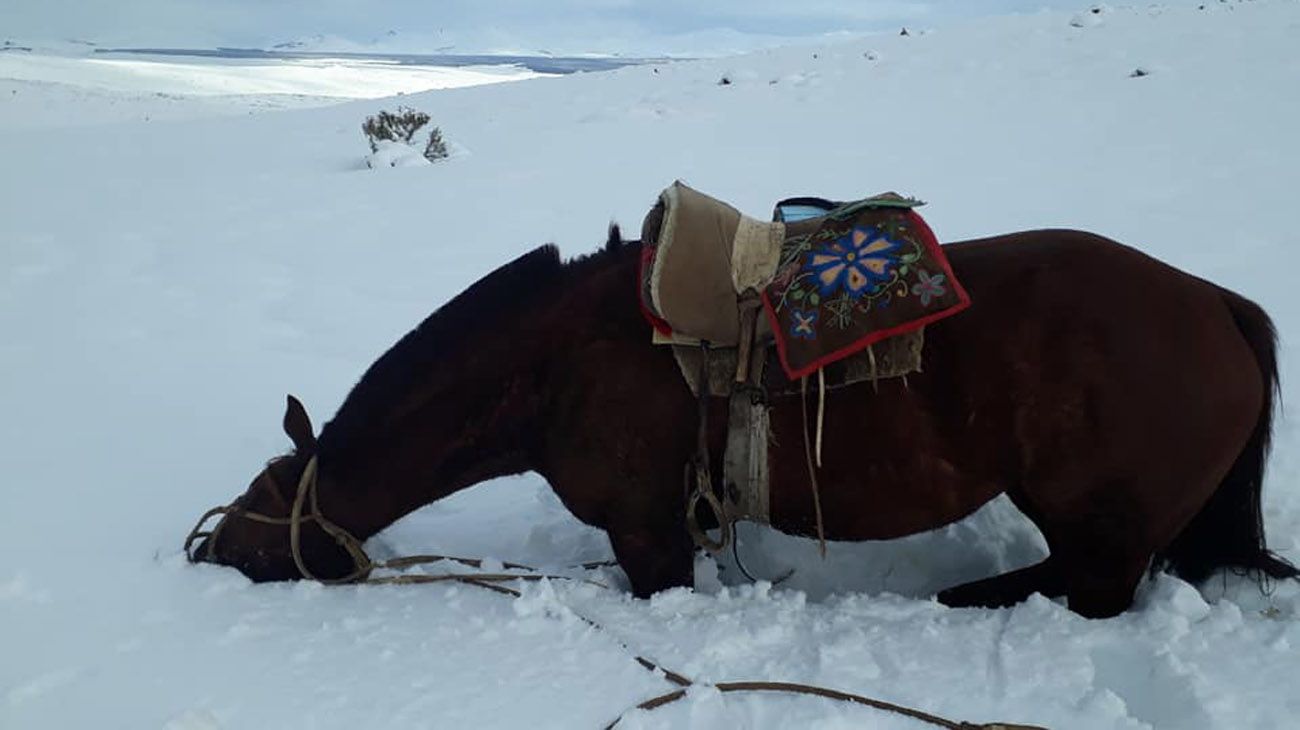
67	87
164	283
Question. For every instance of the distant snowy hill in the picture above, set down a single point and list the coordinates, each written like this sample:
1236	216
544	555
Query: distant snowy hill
167	276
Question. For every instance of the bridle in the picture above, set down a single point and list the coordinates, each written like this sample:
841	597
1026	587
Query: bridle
305	509
304	498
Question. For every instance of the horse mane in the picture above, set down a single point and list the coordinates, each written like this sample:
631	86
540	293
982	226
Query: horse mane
498	295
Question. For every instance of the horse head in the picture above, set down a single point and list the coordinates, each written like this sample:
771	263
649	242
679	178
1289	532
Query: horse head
256	533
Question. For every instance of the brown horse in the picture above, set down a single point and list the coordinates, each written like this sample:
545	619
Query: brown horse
1124	406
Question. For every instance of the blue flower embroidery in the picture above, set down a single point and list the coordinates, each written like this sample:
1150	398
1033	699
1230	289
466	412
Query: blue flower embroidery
930	287
856	262
803	323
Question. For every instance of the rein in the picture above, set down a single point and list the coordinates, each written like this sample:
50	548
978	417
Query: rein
363	566
305	501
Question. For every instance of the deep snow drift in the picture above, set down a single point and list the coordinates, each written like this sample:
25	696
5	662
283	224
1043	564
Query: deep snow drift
163	284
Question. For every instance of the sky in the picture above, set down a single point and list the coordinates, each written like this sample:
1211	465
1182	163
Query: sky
557	26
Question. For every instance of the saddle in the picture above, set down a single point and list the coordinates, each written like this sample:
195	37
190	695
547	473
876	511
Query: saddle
705	255
842	290
832	279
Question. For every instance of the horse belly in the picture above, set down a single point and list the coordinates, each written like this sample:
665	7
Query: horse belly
888	488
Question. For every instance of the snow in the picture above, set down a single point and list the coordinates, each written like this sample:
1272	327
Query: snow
630	27
324	77
63	86
163	283
395	154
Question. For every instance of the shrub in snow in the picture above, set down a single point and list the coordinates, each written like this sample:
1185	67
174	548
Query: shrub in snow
400	128
737	76
436	149
394	154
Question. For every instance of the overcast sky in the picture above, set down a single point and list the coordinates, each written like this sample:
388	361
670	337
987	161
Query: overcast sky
478	25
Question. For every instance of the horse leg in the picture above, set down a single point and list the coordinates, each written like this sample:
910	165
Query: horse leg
1009	588
1100	592
1102	570
1102	544
1098	552
1097	574
654	559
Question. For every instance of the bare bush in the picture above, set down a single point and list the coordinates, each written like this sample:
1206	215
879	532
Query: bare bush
436	149
402	126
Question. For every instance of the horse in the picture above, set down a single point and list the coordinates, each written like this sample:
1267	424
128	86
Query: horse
1123	405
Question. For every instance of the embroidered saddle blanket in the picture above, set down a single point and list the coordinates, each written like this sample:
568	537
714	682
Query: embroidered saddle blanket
833	278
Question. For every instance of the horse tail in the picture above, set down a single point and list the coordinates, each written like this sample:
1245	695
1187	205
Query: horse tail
1228	532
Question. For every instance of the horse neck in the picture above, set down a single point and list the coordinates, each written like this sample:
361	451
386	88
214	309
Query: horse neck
489	419
482	427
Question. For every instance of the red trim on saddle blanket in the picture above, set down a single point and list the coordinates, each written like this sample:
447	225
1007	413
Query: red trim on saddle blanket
647	260
934	249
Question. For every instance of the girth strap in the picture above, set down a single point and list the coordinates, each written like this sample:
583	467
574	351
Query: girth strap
699	477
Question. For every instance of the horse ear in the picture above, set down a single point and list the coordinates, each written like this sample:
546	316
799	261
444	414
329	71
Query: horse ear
298	426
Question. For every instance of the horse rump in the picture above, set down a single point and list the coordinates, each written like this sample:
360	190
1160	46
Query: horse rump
1228	532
